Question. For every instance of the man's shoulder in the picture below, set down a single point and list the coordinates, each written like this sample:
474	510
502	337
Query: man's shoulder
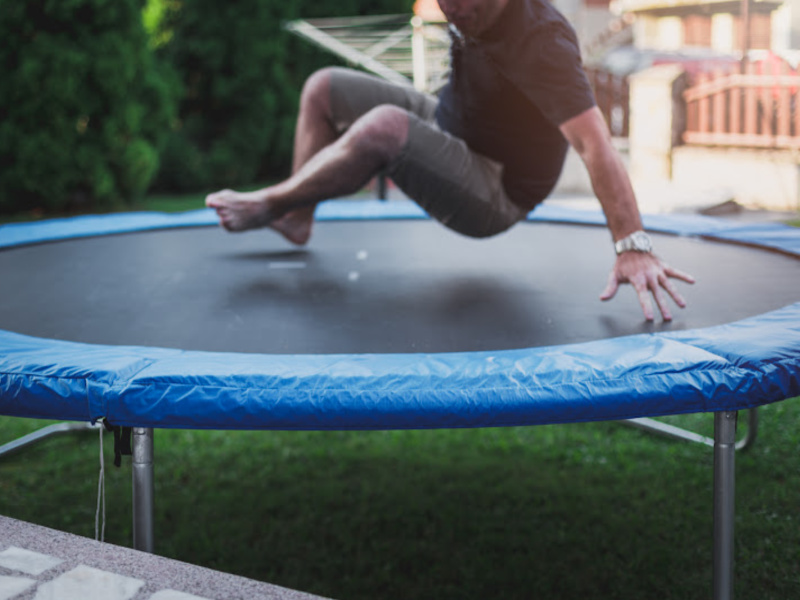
540	56
531	27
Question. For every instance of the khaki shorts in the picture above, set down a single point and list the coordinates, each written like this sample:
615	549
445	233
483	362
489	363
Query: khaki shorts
453	184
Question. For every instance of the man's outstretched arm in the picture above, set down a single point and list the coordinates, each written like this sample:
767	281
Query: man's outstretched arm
589	135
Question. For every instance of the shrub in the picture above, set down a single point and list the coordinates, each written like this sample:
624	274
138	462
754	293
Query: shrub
241	75
84	108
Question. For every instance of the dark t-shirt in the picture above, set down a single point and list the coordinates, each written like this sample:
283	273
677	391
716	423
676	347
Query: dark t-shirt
510	90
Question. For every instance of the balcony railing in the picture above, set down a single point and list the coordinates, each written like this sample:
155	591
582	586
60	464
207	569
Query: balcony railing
749	109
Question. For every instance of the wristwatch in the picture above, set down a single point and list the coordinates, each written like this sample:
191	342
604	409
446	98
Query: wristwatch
638	241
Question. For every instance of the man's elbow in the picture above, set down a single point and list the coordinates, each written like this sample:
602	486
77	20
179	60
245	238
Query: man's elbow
587	133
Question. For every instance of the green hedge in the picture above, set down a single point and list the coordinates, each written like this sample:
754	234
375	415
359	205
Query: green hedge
242	75
103	100
84	108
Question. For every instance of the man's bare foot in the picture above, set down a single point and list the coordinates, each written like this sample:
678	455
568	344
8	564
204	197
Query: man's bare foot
240	211
295	226
243	211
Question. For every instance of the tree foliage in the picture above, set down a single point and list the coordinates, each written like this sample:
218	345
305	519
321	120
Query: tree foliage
84	107
242	74
99	97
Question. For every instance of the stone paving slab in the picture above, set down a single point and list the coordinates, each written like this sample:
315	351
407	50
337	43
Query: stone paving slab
37	563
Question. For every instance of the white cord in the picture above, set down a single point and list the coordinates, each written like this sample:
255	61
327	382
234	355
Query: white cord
100	534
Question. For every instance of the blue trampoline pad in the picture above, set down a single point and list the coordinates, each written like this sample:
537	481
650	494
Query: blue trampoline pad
386	320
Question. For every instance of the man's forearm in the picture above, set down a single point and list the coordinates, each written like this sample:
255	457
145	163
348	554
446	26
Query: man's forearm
588	134
613	189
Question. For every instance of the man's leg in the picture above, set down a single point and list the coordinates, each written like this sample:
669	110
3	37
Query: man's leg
339	145
338	169
315	130
381	125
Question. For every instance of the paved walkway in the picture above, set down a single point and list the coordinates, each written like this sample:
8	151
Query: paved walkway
37	563
667	199
659	199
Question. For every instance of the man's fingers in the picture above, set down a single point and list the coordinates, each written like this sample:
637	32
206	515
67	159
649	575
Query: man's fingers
652	281
672	291
676	274
611	287
663	305
643	292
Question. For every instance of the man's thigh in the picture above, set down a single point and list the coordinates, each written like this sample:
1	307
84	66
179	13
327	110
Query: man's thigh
353	94
458	187
454	185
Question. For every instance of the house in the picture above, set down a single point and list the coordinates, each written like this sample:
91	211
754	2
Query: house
718	25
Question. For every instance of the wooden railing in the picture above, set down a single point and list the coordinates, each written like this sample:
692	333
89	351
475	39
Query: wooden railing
612	93
749	109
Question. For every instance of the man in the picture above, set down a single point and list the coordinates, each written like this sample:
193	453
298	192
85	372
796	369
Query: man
480	157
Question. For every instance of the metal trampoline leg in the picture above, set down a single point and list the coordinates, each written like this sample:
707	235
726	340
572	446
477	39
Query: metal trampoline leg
383	186
724	488
143	489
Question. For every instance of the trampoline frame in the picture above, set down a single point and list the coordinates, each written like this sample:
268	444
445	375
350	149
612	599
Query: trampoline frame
724	445
783	239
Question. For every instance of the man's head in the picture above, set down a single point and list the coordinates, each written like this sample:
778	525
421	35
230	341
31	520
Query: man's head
472	17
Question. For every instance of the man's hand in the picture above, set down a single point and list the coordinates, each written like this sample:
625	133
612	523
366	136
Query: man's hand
648	275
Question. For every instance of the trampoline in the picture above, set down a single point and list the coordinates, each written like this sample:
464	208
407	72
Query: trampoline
389	321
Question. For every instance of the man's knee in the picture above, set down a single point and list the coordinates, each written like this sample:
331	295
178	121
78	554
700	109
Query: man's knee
382	130
316	91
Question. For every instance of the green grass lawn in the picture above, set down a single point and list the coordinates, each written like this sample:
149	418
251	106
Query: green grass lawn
154	202
584	511
167	203
158	203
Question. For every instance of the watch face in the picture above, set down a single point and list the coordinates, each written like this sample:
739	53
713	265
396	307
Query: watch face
641	242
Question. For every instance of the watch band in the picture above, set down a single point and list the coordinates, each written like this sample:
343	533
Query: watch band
638	241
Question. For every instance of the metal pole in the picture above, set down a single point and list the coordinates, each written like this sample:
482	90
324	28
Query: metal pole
420	75
724	488
744	9
143	490
43	433
383	186
678	433
330	43
752	430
